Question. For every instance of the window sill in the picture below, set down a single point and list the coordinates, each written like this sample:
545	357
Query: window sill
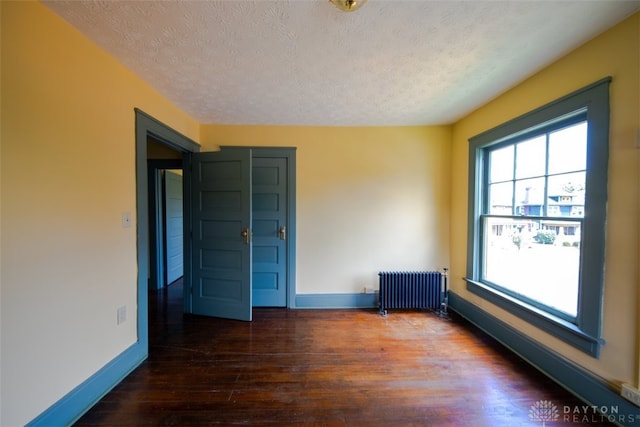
559	328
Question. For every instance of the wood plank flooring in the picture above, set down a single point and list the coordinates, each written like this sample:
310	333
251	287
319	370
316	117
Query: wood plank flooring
324	368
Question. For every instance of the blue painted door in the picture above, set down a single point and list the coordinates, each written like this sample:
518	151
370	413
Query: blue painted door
220	252
173	225
269	232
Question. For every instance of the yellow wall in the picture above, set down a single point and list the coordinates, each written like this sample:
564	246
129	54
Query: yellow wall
368	199
614	53
68	172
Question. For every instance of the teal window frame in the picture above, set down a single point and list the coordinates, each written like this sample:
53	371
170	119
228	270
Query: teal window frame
590	103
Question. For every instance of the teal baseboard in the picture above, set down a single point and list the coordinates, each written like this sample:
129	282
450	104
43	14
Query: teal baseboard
336	301
587	387
72	406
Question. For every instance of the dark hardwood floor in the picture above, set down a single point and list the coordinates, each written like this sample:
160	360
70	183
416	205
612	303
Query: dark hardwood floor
325	368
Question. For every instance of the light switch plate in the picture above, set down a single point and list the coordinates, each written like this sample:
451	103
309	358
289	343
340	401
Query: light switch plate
126	219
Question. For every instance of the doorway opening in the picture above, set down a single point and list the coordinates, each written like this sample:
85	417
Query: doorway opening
165	149
174	153
166	214
166	237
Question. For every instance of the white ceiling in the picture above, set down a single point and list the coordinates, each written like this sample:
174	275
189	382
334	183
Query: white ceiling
304	62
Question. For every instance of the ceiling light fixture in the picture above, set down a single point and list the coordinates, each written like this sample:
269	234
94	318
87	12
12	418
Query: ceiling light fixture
348	5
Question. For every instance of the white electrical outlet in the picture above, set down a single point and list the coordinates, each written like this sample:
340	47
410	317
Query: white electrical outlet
122	314
632	394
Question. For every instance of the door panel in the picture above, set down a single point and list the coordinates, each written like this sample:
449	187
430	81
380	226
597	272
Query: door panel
220	257
173	226
269	246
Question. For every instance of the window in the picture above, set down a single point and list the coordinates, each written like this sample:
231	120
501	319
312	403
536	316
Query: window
537	205
533	186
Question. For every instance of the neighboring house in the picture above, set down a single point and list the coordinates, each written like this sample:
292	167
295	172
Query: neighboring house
562	204
565	205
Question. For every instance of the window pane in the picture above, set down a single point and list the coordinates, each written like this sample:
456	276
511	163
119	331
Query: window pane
501	164
531	158
501	198
566	195
530	197
536	259
568	149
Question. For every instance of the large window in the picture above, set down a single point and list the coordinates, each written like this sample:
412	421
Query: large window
537	215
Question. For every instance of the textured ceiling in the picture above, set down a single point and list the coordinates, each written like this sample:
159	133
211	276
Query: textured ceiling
304	62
